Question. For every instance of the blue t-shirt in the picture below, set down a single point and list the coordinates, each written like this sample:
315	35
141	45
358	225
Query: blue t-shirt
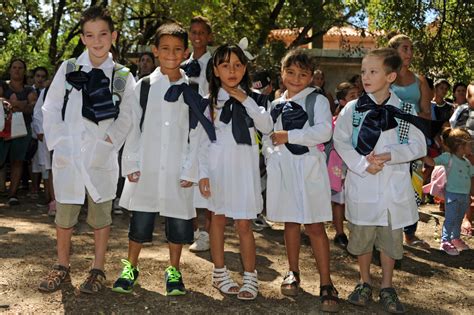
459	173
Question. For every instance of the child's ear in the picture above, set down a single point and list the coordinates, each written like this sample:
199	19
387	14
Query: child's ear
83	39
114	36
392	76
154	49
216	73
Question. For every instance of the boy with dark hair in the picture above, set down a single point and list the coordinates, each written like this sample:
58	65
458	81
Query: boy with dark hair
85	127
200	34
160	160
376	137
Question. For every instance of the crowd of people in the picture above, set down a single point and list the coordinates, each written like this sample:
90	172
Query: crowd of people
203	134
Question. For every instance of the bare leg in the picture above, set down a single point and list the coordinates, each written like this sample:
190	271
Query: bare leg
63	243
16	172
134	249
175	254
292	244
247	244
388	264
101	237
217	240
364	267
320	245
338	217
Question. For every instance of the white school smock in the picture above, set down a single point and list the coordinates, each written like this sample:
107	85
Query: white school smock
162	153
298	187
82	158
369	198
233	169
41	161
198	200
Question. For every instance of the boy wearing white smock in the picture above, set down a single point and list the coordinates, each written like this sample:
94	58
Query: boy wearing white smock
379	195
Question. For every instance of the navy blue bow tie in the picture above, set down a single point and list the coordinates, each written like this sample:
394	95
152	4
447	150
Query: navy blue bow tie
197	104
192	68
97	102
293	116
241	121
381	118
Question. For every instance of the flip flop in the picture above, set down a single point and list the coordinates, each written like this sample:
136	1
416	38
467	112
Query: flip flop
416	242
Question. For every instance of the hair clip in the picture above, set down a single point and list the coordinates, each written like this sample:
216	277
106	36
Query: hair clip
244	44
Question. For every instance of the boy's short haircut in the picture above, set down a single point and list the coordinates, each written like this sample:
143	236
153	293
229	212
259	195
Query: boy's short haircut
40	68
442	81
299	58
342	89
391	60
203	20
96	13
172	29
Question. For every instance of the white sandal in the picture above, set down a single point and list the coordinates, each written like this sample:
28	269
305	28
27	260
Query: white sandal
222	281
250	285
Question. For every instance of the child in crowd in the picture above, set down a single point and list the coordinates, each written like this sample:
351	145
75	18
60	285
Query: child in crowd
41	162
200	35
459	172
146	65
298	185
345	92
233	166
85	127
160	163
440	109
377	143
319	80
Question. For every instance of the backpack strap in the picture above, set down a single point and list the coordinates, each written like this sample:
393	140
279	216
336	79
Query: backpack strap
309	105
70	67
144	91
403	126
357	119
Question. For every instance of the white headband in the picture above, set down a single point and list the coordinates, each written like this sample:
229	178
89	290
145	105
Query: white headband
243	44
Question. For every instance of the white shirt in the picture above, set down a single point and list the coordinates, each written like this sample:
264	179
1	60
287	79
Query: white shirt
369	198
82	158
161	152
202	80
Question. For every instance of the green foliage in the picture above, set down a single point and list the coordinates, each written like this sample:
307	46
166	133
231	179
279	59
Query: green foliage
440	30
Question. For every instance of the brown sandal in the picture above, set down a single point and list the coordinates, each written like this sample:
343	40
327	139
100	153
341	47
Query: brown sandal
331	295
94	282
56	276
291	284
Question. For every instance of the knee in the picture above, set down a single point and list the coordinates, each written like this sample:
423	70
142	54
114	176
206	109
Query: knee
243	227
315	230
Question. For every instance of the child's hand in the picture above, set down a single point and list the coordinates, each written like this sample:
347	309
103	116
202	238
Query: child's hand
134	177
40	137
185	183
383	157
374	168
205	187
279	137
237	93
428	161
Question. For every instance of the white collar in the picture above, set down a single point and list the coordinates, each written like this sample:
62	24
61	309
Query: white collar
84	60
157	75
300	95
203	59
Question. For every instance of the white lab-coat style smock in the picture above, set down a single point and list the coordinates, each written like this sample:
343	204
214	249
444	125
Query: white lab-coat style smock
298	187
370	198
82	158
198	200
162	153
42	159
233	169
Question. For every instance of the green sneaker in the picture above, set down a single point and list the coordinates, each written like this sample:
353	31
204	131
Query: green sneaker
174	282
127	279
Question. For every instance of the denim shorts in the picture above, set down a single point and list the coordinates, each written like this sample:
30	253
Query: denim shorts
142	224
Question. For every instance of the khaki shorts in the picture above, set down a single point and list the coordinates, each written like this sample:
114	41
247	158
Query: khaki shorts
99	215
363	238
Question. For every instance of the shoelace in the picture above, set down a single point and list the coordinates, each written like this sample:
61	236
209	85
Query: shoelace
127	271
173	275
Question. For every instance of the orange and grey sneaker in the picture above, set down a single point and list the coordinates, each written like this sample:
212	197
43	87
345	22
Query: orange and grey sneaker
94	282
56	276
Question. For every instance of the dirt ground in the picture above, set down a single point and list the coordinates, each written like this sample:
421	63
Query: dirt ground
429	282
